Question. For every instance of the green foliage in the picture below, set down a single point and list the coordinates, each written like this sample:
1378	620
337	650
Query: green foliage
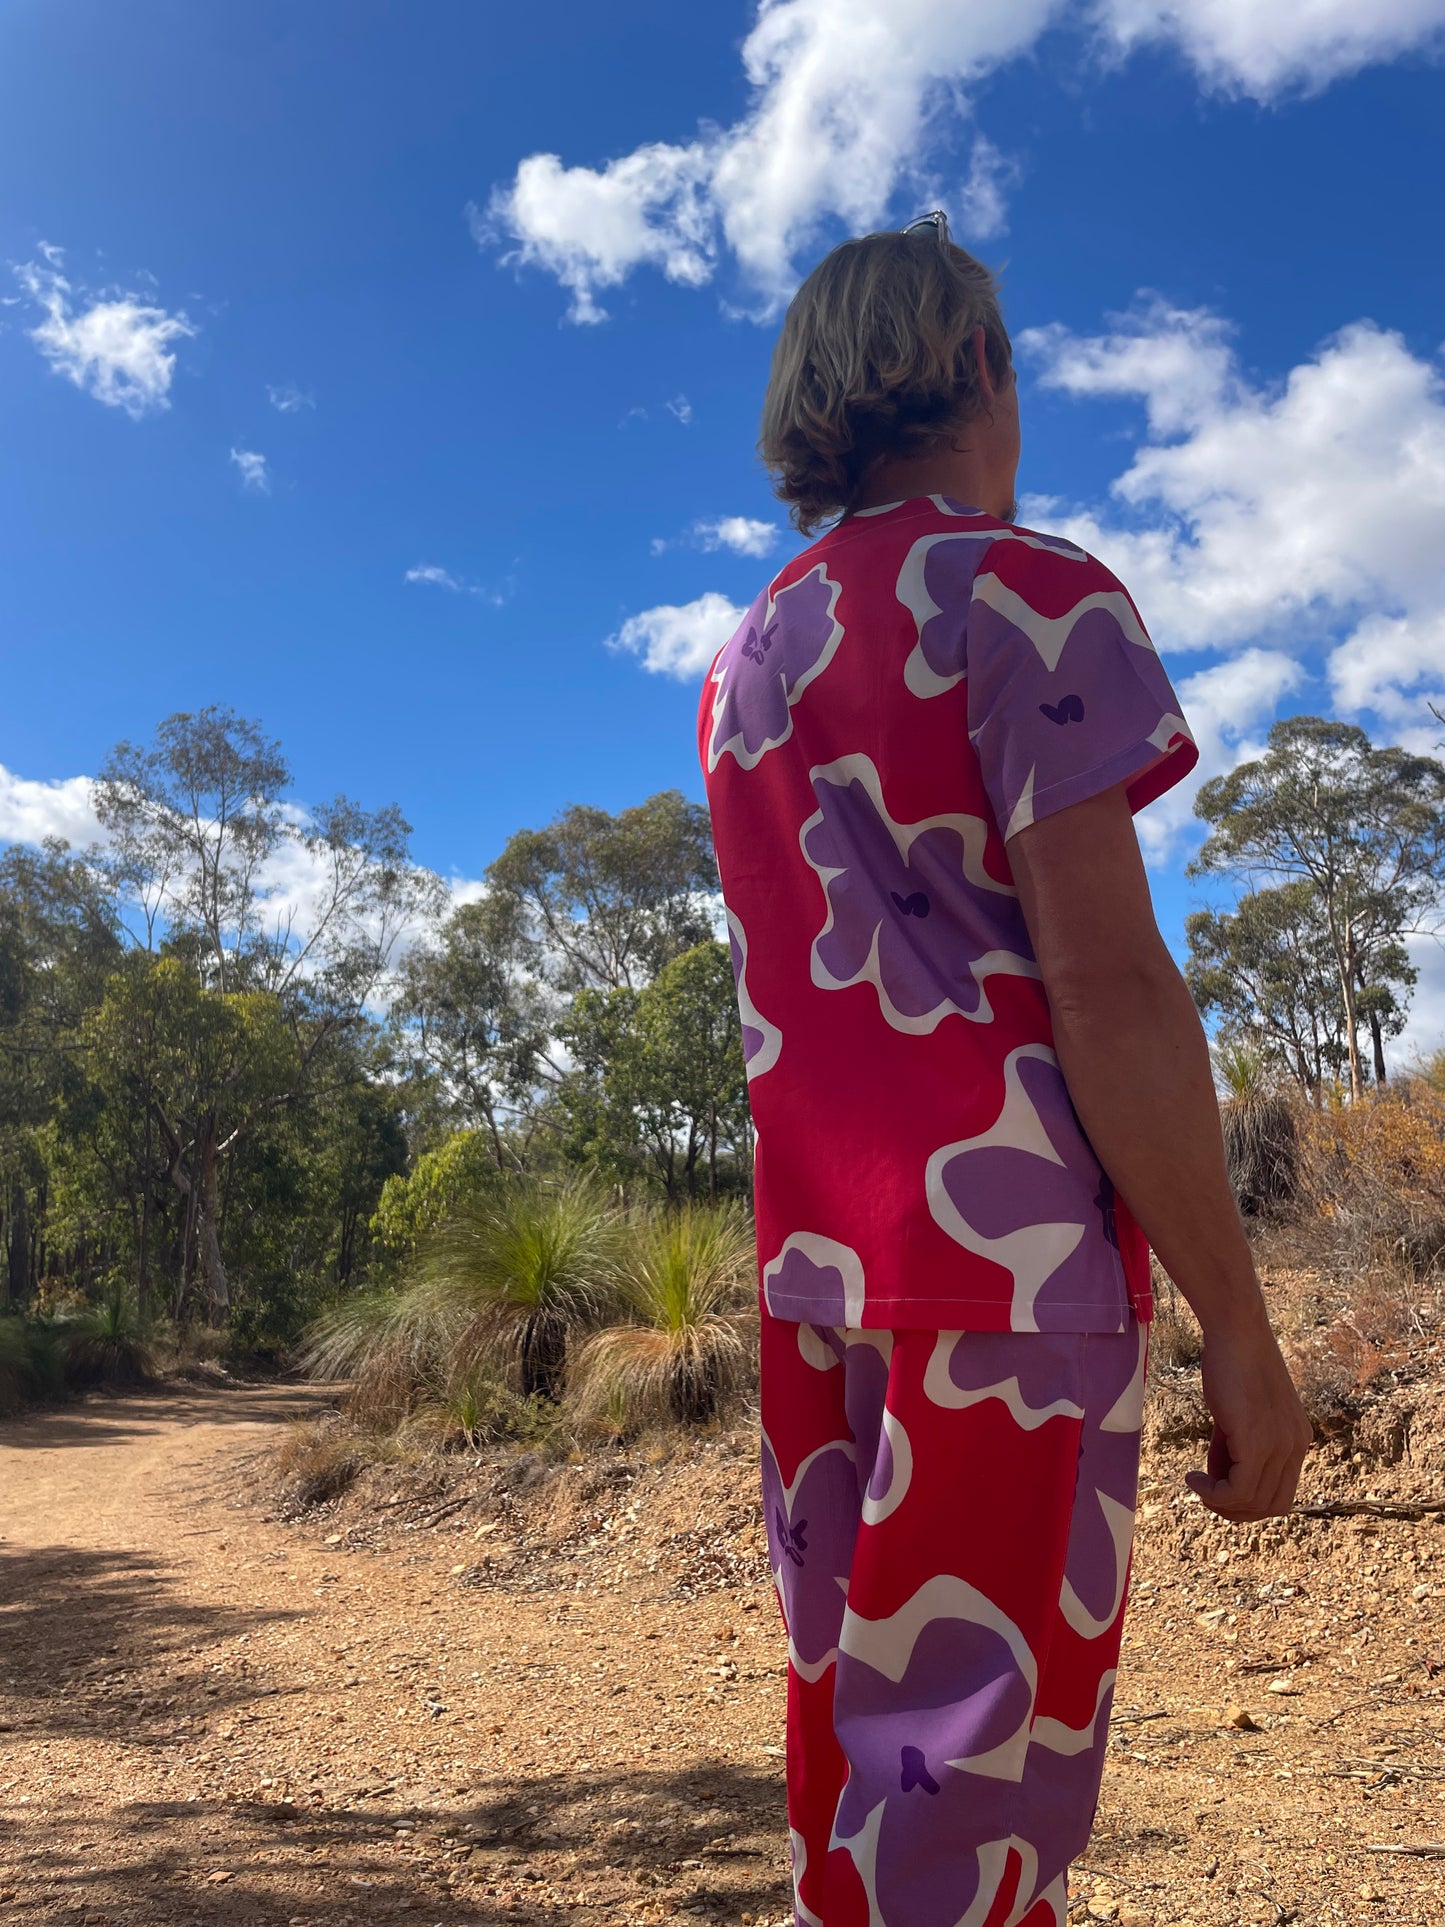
658	1084
520	1274
685	1340
456	1176
215	1108
1363	831
604	902
32	1369
107	1346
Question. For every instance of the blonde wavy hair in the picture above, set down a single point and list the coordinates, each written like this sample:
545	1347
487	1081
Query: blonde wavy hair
875	358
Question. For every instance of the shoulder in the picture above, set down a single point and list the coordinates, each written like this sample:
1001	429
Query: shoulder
1050	574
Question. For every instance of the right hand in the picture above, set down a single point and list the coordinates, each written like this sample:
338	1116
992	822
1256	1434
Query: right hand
1261	1433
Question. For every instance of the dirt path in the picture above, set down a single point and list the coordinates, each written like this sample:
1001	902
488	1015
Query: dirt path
209	1716
206	1717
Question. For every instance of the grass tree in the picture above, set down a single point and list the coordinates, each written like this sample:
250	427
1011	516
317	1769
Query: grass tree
518	1275
1261	1138
684	1340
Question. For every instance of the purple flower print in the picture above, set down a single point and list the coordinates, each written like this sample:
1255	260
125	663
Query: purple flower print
905	1839
1101	1535
785	642
814	1279
811	1527
1029	1193
911	908
1060	707
1035	1374
935	585
762	1041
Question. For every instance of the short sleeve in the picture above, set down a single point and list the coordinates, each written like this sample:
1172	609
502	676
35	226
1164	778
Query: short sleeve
1066	695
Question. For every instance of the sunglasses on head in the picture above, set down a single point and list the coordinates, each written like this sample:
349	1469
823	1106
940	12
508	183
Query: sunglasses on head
937	220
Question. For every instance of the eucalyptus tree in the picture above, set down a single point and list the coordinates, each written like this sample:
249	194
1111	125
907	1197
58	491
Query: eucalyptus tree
1364	828
287	922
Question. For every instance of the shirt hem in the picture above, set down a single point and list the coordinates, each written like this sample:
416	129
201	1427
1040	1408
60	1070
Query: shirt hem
954	1314
1145	769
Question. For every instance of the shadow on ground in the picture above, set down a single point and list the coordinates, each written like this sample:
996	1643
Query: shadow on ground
75	1625
702	1842
109	1420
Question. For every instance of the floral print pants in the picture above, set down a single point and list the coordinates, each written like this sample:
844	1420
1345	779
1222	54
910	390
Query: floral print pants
950	1517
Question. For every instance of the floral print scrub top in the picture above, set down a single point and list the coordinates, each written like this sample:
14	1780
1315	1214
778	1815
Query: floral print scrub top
920	684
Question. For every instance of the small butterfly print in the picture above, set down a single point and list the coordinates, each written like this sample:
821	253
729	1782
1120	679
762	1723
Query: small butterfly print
916	905
792	1538
1069	709
757	646
915	1771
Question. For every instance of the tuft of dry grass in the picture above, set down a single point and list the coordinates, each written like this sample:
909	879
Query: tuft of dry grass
1374	1178
317	1460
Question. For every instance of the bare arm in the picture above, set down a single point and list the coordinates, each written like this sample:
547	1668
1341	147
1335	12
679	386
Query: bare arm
1134	1056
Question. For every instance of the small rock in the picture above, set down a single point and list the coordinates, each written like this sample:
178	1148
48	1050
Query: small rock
334	1540
1371	1893
1134	1917
1422	1592
219	1877
1239	1716
1282	1686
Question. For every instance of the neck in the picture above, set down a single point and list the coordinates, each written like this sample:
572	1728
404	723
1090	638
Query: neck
952	472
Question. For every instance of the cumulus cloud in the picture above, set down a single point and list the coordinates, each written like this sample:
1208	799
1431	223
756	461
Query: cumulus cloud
115	346
741	534
679	639
1304	513
1257	48
850	103
253	470
32	812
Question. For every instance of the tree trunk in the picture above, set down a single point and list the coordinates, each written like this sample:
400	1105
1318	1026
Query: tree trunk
1352	1023
1377	1040
209	1231
18	1256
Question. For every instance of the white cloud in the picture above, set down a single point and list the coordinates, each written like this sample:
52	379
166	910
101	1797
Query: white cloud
1424	1031
1306	513
433	577
742	534
679	639
982	201
253	470
31	812
680	408
288	399
850	103
429	575
114	346
1228	706
845	97
1261	47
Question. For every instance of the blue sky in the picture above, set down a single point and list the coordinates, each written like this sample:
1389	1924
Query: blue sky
1216	224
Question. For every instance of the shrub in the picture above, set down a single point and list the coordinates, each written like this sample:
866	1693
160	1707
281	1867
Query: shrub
316	1462
1375	1172
1261	1138
517	1276
107	1346
685	1341
31	1368
495	1296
